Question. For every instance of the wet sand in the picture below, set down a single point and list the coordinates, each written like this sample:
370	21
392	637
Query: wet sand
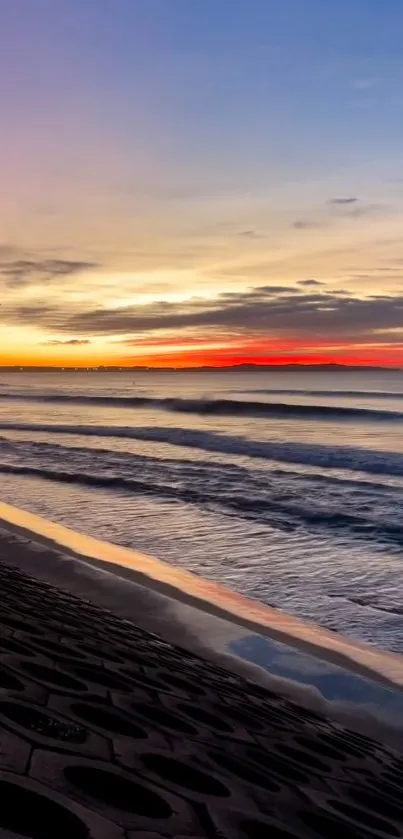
71	559
115	728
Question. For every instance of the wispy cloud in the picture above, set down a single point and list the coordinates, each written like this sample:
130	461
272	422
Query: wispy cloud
303	225
352	208
343	200
310	283
249	234
368	210
264	311
19	272
73	342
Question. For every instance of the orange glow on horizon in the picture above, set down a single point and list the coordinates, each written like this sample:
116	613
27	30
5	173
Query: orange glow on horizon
274	353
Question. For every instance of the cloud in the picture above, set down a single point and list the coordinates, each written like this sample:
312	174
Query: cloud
302	225
258	291
265	311
30	313
367	210
259	310
72	342
342	201
248	234
351	208
19	272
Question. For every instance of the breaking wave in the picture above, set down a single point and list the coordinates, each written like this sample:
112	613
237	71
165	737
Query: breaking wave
214	407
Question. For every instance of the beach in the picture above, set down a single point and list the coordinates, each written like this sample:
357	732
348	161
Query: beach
201	420
109	727
284	487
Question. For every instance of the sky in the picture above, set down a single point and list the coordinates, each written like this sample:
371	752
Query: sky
190	182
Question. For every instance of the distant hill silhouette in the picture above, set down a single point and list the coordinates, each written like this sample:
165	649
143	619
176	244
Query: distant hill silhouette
237	368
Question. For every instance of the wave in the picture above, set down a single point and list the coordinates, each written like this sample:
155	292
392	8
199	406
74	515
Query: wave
215	407
280	514
308	454
229	469
356	394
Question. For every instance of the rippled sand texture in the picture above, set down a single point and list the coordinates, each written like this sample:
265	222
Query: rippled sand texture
108	731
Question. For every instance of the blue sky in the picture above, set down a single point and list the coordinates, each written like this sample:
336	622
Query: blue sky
168	148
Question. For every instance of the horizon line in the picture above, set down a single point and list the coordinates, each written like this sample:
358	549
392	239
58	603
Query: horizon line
202	368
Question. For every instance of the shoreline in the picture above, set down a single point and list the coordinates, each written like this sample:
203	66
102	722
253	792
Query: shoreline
66	558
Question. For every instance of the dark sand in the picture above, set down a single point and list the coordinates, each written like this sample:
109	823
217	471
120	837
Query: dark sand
107	730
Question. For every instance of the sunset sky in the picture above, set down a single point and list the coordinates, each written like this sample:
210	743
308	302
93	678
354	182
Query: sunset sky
193	182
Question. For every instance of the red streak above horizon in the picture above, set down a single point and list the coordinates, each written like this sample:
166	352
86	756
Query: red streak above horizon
194	351
186	351
375	357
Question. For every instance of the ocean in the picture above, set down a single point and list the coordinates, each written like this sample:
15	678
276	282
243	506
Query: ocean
284	486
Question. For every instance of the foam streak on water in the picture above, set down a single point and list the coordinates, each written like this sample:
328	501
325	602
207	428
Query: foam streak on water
287	487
